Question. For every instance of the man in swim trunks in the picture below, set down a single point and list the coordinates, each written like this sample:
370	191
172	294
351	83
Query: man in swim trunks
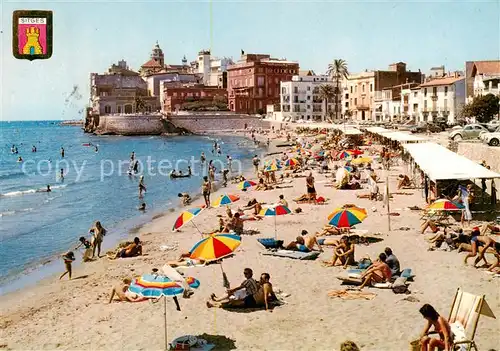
311	191
132	250
379	272
297	245
311	242
248	287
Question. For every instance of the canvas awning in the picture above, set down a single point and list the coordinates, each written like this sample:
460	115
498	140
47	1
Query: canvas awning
404	137
378	130
439	163
352	132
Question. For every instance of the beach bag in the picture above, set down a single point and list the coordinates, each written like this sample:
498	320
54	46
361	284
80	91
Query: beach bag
364	263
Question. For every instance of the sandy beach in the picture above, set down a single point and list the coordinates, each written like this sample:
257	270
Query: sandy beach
75	315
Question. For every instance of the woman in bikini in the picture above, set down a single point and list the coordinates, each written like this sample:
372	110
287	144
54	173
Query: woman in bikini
441	326
98	233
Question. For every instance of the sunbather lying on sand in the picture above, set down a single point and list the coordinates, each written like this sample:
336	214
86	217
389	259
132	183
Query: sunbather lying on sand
123	294
429	224
184	260
253	205
328	242
132	250
297	245
344	252
331	230
379	272
491	227
261	298
263	186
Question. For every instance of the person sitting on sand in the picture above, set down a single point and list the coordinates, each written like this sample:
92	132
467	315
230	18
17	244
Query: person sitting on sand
311	242
248	287
235	225
282	201
297	245
393	262
185	198
379	272
479	243
263	186
123	294
429	224
441	326
87	255
403	181
132	250
344	252
261	298
255	205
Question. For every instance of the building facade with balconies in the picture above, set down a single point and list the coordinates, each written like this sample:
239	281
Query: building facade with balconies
442	98
365	90
254	82
482	78
212	69
176	96
300	99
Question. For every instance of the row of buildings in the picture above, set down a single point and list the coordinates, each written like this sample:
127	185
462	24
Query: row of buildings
260	84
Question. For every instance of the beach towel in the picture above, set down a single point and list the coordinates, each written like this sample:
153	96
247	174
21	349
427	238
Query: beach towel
352	294
270	243
293	254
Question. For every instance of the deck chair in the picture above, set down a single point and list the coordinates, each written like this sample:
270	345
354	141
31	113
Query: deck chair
464	317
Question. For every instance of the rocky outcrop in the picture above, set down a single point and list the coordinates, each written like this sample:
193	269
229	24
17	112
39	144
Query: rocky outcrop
140	124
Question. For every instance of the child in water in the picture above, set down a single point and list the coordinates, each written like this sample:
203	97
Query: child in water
68	260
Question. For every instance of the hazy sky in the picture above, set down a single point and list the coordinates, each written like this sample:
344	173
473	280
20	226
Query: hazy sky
90	35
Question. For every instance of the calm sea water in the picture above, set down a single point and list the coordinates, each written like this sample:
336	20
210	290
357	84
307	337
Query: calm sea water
38	226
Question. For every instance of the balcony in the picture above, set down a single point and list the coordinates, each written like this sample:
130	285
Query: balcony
434	97
362	107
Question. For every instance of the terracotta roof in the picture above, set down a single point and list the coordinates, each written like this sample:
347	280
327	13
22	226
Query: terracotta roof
151	64
487	67
441	81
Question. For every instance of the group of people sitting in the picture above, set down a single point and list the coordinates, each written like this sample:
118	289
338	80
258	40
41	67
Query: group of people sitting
249	294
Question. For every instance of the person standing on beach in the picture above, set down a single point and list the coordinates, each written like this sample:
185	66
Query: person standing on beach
87	254
256	163
62	152
98	233
206	188
142	186
311	191
229	162
211	174
68	260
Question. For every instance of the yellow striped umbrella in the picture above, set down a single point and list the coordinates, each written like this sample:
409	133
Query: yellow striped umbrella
215	247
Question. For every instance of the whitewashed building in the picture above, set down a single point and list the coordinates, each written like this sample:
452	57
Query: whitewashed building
213	69
300	99
442	98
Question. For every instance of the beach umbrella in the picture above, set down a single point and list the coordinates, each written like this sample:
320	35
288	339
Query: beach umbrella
225	199
344	154
355	152
156	286
278	210
349	168
215	247
246	184
272	167
291	162
187	216
362	160
347	217
274	161
445	205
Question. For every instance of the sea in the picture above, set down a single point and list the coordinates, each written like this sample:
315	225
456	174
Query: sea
36	227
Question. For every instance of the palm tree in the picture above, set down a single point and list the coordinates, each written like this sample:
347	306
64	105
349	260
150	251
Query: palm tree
326	93
337	70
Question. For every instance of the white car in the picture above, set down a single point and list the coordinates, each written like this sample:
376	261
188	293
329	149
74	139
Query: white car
492	139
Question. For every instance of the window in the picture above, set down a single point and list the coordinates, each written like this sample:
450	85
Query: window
119	109
308	88
415	94
445	103
295	90
107	109
283	90
371	87
425	92
355	101
445	91
434	91
308	107
425	104
363	88
260	81
308	97
351	89
174	94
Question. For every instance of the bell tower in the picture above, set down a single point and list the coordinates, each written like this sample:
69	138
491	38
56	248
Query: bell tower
157	54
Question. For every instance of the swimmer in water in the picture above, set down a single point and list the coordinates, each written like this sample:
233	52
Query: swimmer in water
190	172
132	156
20	159
142	207
62	152
61	174
46	190
33	148
142	186
96	149
202	157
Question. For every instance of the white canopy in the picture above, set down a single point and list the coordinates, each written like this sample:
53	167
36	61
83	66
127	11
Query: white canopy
403	137
378	130
352	132
439	163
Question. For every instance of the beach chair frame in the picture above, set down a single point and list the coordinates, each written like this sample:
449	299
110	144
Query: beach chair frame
476	310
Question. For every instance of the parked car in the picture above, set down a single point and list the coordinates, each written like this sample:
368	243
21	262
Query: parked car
492	139
493	125
470	131
425	126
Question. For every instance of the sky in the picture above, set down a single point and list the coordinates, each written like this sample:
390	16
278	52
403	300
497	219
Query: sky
91	35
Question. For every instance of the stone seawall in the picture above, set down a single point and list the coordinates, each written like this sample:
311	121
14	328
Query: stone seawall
207	123
135	125
478	152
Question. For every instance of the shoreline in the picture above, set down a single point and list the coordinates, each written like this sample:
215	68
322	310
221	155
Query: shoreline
45	268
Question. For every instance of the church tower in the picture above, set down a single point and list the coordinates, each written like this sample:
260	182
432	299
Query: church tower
157	55
184	61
